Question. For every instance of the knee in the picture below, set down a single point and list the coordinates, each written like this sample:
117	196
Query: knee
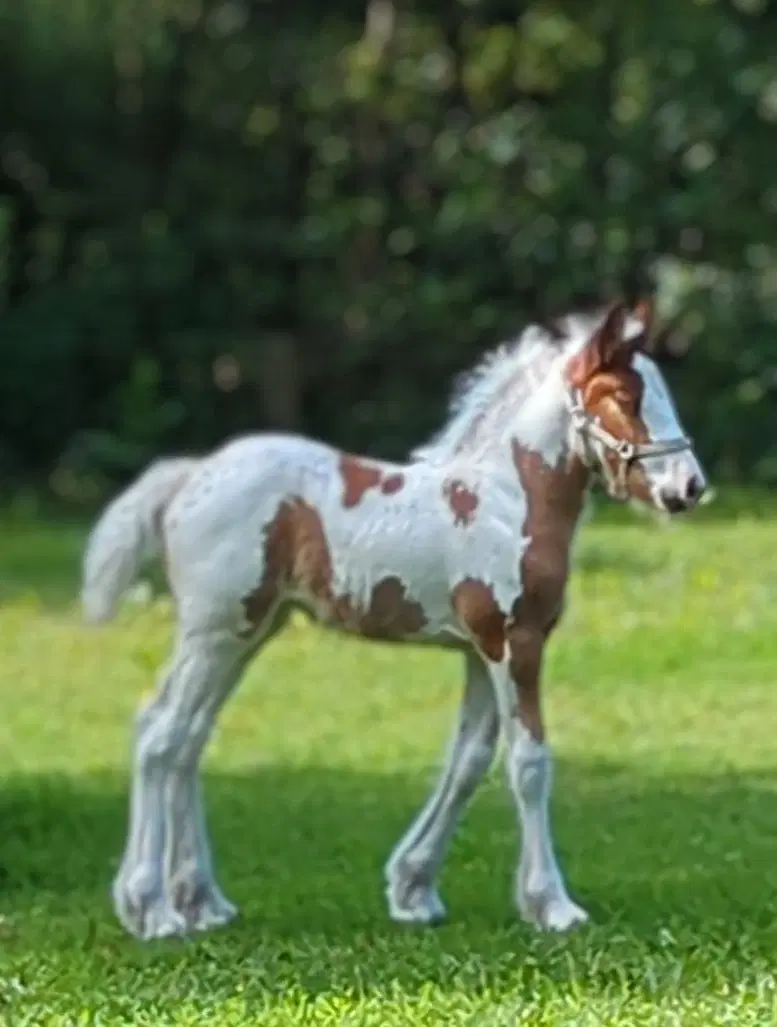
531	767
483	747
478	757
475	765
160	736
167	735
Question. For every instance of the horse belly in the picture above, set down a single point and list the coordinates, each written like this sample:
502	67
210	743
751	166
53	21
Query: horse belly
388	569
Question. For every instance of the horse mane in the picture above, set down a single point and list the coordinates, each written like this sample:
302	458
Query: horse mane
475	390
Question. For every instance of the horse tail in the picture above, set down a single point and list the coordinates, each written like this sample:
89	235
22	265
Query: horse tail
126	535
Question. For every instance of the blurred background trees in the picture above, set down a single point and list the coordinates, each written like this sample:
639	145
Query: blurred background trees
226	215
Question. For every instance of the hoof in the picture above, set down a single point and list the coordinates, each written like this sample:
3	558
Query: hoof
413	901
208	911
146	912
555	913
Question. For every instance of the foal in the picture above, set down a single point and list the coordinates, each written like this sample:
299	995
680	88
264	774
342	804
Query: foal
467	546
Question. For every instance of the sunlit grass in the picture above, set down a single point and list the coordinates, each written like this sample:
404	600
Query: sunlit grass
662	707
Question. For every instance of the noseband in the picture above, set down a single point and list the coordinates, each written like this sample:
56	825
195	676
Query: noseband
590	430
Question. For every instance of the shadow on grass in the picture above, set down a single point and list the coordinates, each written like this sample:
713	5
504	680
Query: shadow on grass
301	849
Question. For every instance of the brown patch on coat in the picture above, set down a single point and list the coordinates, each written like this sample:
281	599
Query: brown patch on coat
297	555
462	501
615	397
391	615
392	484
554	499
474	603
388	616
612	390
527	645
359	477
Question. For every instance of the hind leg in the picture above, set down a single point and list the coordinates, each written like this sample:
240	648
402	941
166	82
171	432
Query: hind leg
165	885
189	880
413	866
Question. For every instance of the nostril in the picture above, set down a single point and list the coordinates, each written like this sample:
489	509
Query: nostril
673	501
694	488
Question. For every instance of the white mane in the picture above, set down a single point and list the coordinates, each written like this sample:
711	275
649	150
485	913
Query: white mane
476	390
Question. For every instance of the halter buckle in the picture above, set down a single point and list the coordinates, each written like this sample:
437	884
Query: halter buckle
627	451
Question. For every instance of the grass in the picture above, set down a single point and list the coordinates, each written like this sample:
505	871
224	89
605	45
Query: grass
662	707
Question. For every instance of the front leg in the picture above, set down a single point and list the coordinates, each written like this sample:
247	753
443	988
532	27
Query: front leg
412	870
542	896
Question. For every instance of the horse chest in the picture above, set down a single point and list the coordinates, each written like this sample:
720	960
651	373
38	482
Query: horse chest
544	572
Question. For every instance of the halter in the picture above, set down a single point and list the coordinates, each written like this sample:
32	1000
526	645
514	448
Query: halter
590	430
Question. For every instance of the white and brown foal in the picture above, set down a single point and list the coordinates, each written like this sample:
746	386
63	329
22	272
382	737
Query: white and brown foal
466	546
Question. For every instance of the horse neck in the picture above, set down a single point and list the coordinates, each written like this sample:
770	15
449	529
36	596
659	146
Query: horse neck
541	422
526	430
553	478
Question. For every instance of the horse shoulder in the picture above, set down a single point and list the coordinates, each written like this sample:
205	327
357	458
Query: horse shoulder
486	565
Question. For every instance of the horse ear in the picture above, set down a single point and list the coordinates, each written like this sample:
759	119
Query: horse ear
639	325
611	336
602	350
644	313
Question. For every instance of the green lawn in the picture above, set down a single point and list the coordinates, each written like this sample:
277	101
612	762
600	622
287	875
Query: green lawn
662	707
